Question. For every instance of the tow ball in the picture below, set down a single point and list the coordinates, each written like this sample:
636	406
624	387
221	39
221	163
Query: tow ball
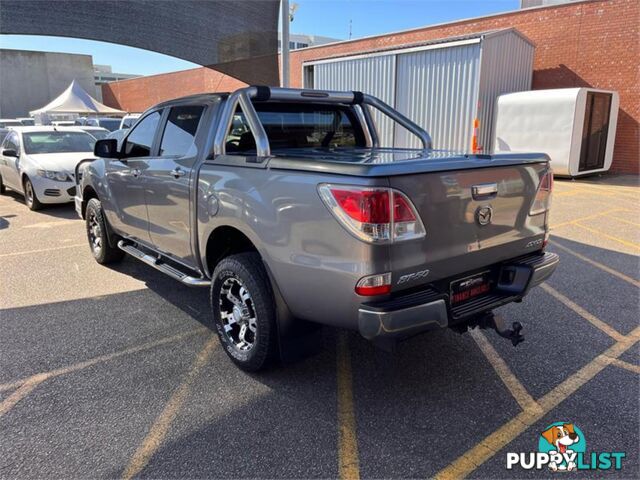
496	322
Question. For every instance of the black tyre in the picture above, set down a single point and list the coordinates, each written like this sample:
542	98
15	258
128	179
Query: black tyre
30	197
244	311
102	251
2	187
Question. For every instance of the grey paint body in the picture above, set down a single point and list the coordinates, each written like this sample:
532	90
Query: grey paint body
313	260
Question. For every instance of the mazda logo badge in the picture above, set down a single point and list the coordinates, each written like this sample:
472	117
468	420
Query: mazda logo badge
484	214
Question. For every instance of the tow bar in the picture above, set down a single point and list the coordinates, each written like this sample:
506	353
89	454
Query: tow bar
489	320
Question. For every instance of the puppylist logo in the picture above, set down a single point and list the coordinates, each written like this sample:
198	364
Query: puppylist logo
562	448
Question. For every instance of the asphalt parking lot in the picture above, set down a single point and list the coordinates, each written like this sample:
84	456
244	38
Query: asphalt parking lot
114	372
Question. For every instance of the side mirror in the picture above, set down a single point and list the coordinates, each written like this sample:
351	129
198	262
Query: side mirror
10	153
106	148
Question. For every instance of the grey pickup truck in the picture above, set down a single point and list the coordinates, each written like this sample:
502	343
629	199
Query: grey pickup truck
286	206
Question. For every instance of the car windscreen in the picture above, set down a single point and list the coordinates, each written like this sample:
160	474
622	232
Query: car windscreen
98	134
57	142
298	125
110	124
127	122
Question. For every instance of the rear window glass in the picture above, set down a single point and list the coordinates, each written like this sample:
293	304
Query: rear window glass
110	124
298	125
57	142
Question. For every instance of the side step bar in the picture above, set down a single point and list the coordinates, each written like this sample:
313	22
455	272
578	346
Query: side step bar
165	268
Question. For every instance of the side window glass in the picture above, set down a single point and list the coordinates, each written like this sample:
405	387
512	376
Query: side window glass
140	140
11	142
180	130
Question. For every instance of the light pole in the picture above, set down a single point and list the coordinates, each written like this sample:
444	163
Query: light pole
284	5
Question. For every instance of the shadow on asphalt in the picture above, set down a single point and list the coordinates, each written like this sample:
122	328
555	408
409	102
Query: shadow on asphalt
57	210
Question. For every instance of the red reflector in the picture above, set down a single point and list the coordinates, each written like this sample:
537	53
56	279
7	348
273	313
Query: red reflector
369	291
365	206
402	212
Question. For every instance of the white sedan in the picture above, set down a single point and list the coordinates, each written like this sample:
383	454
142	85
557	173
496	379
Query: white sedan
40	162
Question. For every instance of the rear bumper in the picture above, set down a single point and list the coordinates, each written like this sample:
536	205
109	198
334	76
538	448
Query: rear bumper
429	309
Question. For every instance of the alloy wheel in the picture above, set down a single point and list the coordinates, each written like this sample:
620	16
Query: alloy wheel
237	313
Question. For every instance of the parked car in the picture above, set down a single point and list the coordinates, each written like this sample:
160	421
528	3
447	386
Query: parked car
98	133
109	123
281	203
128	120
39	162
10	122
63	123
27	121
118	135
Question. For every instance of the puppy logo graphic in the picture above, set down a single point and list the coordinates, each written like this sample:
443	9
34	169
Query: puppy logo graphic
563	448
562	441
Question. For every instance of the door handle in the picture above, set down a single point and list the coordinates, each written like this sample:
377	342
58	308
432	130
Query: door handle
484	190
135	172
177	172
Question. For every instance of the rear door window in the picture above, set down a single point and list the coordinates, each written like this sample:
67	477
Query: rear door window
140	140
180	130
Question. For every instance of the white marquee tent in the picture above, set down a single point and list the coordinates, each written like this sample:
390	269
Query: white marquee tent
75	99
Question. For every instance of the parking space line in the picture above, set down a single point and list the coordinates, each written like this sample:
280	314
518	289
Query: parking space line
636	224
599	265
610	237
163	422
41	250
626	365
595	321
493	443
588	217
100	359
348	461
518	391
21	392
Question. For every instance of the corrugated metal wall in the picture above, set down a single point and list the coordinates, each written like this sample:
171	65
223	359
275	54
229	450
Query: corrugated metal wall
373	75
507	66
442	87
439	93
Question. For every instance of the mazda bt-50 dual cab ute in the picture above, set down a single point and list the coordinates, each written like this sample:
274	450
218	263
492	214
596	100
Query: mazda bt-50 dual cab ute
284	204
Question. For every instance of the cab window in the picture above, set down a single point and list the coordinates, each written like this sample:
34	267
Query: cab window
298	125
180	130
140	140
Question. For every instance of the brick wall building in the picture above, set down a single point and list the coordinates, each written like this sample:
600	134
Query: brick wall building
584	44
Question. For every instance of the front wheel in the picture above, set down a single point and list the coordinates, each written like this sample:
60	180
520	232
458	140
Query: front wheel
244	311
30	197
102	251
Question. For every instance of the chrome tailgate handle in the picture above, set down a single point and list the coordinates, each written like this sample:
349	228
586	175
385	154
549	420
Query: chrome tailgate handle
484	190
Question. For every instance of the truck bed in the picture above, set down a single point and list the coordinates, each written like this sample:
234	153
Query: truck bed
381	162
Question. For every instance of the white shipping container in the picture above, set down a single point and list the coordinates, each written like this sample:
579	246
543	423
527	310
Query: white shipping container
442	85
576	127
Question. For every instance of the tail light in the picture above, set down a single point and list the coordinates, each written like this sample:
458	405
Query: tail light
373	214
374	285
542	202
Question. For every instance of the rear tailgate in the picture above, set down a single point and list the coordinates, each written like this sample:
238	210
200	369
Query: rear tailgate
468	229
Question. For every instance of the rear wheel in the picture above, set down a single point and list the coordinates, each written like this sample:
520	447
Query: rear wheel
244	310
97	235
2	187
30	197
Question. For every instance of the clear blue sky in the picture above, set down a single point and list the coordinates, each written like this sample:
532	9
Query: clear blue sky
320	17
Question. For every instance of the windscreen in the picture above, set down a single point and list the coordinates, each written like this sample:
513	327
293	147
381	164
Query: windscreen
298	125
98	134
110	124
57	142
